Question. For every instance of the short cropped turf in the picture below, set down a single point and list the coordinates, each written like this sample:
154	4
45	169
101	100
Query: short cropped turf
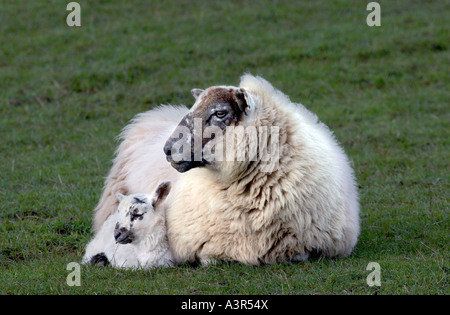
66	93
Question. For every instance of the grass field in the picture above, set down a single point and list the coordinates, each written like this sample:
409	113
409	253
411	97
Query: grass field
65	94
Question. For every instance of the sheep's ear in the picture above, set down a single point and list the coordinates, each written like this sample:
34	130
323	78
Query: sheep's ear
161	193
196	92
244	100
120	196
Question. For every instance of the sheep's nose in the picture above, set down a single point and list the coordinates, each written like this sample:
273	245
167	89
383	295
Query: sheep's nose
168	148
122	235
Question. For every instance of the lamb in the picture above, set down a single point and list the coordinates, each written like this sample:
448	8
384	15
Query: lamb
287	192
135	236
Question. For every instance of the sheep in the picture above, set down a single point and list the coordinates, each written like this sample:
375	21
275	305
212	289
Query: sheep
283	192
135	236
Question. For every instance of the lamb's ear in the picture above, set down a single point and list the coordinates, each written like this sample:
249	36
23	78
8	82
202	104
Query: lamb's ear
120	196
244	100
161	193
196	92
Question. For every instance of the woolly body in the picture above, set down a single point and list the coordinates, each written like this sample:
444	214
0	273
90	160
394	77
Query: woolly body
234	210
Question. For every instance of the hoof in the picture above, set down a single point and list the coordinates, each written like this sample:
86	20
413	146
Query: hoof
99	260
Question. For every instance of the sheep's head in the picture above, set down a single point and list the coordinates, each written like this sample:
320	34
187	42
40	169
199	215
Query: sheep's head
198	140
137	214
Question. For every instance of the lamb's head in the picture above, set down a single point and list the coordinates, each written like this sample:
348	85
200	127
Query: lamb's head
138	214
198	140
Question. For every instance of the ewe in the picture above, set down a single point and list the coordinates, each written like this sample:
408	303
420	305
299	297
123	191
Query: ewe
135	236
260	179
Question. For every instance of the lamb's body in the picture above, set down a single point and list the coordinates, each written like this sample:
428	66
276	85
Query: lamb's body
307	203
145	246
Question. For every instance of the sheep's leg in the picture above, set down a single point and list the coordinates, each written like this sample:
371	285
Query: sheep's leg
204	255
99	260
286	248
297	258
207	261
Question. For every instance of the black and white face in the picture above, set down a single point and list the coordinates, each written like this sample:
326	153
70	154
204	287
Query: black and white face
131	212
215	109
137	214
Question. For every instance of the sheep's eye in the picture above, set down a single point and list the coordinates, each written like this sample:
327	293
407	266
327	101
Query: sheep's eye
135	216
221	113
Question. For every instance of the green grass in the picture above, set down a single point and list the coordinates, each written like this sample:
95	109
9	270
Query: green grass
65	94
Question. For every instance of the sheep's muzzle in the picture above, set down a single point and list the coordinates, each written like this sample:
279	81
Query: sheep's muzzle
122	235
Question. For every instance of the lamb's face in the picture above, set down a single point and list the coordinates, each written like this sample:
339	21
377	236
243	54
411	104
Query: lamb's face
200	134
131	213
138	215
